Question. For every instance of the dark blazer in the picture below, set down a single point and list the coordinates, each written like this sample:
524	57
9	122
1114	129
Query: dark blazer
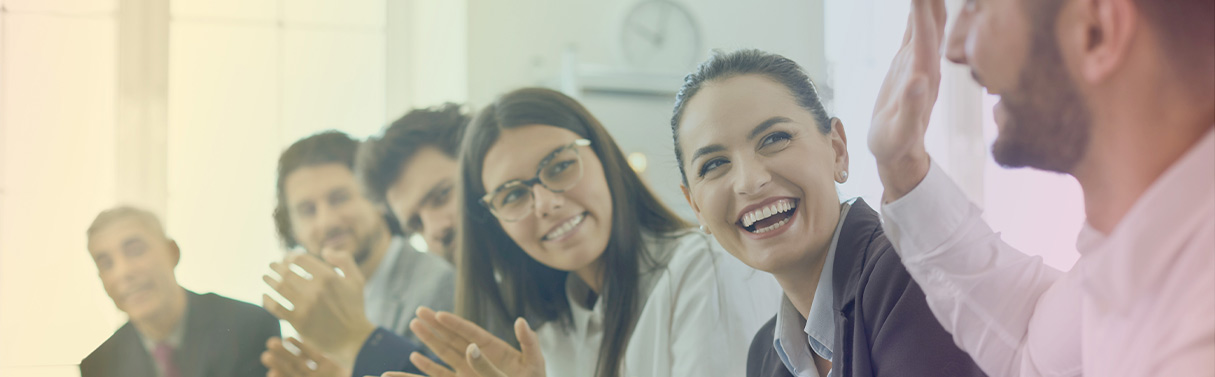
883	326
223	338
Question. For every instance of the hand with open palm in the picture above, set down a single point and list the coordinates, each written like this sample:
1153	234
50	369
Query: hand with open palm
472	351
905	101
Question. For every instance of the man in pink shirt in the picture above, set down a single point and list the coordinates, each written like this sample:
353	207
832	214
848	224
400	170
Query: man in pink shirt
1121	95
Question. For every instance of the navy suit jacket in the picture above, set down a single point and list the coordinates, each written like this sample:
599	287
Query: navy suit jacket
223	338
883	326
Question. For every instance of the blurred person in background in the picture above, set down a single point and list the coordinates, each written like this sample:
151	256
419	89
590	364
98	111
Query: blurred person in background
411	170
1119	94
172	331
379	280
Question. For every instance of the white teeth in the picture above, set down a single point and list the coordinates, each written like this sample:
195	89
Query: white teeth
772	227
566	227
755	216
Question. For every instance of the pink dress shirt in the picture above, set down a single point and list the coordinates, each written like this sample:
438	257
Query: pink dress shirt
1139	302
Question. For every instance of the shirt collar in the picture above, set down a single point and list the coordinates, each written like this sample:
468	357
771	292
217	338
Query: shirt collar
819	328
175	337
379	280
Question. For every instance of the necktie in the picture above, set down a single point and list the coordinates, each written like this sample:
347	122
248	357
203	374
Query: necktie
164	358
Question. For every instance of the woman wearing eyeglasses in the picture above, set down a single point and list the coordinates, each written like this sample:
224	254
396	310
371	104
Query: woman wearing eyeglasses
559	230
760	159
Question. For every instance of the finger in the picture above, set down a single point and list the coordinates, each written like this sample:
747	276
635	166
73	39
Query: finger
468	330
446	352
430	367
480	364
434	335
345	263
307	351
529	342
277	309
313	265
288	291
279	359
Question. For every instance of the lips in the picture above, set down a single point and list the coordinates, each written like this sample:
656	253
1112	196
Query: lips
564	228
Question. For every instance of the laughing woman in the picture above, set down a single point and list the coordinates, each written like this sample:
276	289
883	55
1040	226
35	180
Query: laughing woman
760	160
559	230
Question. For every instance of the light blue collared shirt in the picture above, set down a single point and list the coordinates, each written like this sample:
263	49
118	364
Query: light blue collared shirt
819	329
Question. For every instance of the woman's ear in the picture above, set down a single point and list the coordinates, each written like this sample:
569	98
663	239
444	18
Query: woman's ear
687	195
839	144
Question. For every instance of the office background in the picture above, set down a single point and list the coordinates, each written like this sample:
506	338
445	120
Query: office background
182	106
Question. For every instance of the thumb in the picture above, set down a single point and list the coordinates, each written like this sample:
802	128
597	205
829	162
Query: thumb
480	364
529	343
344	262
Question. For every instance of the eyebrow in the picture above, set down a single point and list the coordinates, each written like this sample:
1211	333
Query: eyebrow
434	190
132	242
755	132
542	162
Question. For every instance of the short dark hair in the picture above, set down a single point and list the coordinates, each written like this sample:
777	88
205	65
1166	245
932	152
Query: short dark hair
327	147
380	159
722	66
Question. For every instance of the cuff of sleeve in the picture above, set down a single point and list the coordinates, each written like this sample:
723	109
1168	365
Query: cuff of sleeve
385	351
928	216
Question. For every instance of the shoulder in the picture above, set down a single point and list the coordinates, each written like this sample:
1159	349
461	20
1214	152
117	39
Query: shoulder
235	313
121	342
762	359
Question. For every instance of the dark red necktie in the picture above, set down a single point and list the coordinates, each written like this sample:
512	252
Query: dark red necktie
164	358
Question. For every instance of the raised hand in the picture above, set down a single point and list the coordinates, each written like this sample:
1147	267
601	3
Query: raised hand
471	351
904	104
328	307
310	362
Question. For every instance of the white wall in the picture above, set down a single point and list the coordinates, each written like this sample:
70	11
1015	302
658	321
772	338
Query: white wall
56	171
513	44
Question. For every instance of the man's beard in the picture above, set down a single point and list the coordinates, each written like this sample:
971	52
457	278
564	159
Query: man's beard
1048	124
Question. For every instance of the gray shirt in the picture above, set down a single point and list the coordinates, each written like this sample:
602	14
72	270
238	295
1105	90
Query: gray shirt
405	280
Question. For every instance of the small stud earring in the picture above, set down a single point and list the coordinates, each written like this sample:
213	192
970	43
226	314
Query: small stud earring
704	230
843	176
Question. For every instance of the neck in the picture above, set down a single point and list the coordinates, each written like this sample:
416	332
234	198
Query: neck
799	284
379	248
592	275
158	326
1131	146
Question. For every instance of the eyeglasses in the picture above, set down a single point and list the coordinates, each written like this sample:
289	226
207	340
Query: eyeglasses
559	171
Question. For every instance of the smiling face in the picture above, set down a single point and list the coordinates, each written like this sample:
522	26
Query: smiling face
136	267
422	198
328	211
568	230
761	176
1013	51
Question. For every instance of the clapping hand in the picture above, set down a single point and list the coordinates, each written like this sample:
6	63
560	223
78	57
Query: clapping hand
471	351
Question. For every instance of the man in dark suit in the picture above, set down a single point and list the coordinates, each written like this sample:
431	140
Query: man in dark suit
172	332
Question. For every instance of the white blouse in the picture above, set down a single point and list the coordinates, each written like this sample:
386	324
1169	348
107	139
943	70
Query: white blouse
701	310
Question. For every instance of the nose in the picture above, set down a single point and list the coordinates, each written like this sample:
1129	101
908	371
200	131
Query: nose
752	176
955	42
547	201
435	225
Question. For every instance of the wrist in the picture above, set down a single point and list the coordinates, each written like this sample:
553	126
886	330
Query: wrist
349	351
901	175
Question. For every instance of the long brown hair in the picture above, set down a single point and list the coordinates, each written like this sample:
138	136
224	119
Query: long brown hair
498	281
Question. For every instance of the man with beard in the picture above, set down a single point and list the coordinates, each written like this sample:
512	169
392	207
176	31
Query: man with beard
379	281
1119	94
411	169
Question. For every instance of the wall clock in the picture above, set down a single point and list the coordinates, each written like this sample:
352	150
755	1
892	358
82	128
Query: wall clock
660	35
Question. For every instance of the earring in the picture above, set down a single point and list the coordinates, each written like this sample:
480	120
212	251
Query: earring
843	176
704	230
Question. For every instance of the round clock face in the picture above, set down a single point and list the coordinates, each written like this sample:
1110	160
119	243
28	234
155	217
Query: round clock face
660	35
